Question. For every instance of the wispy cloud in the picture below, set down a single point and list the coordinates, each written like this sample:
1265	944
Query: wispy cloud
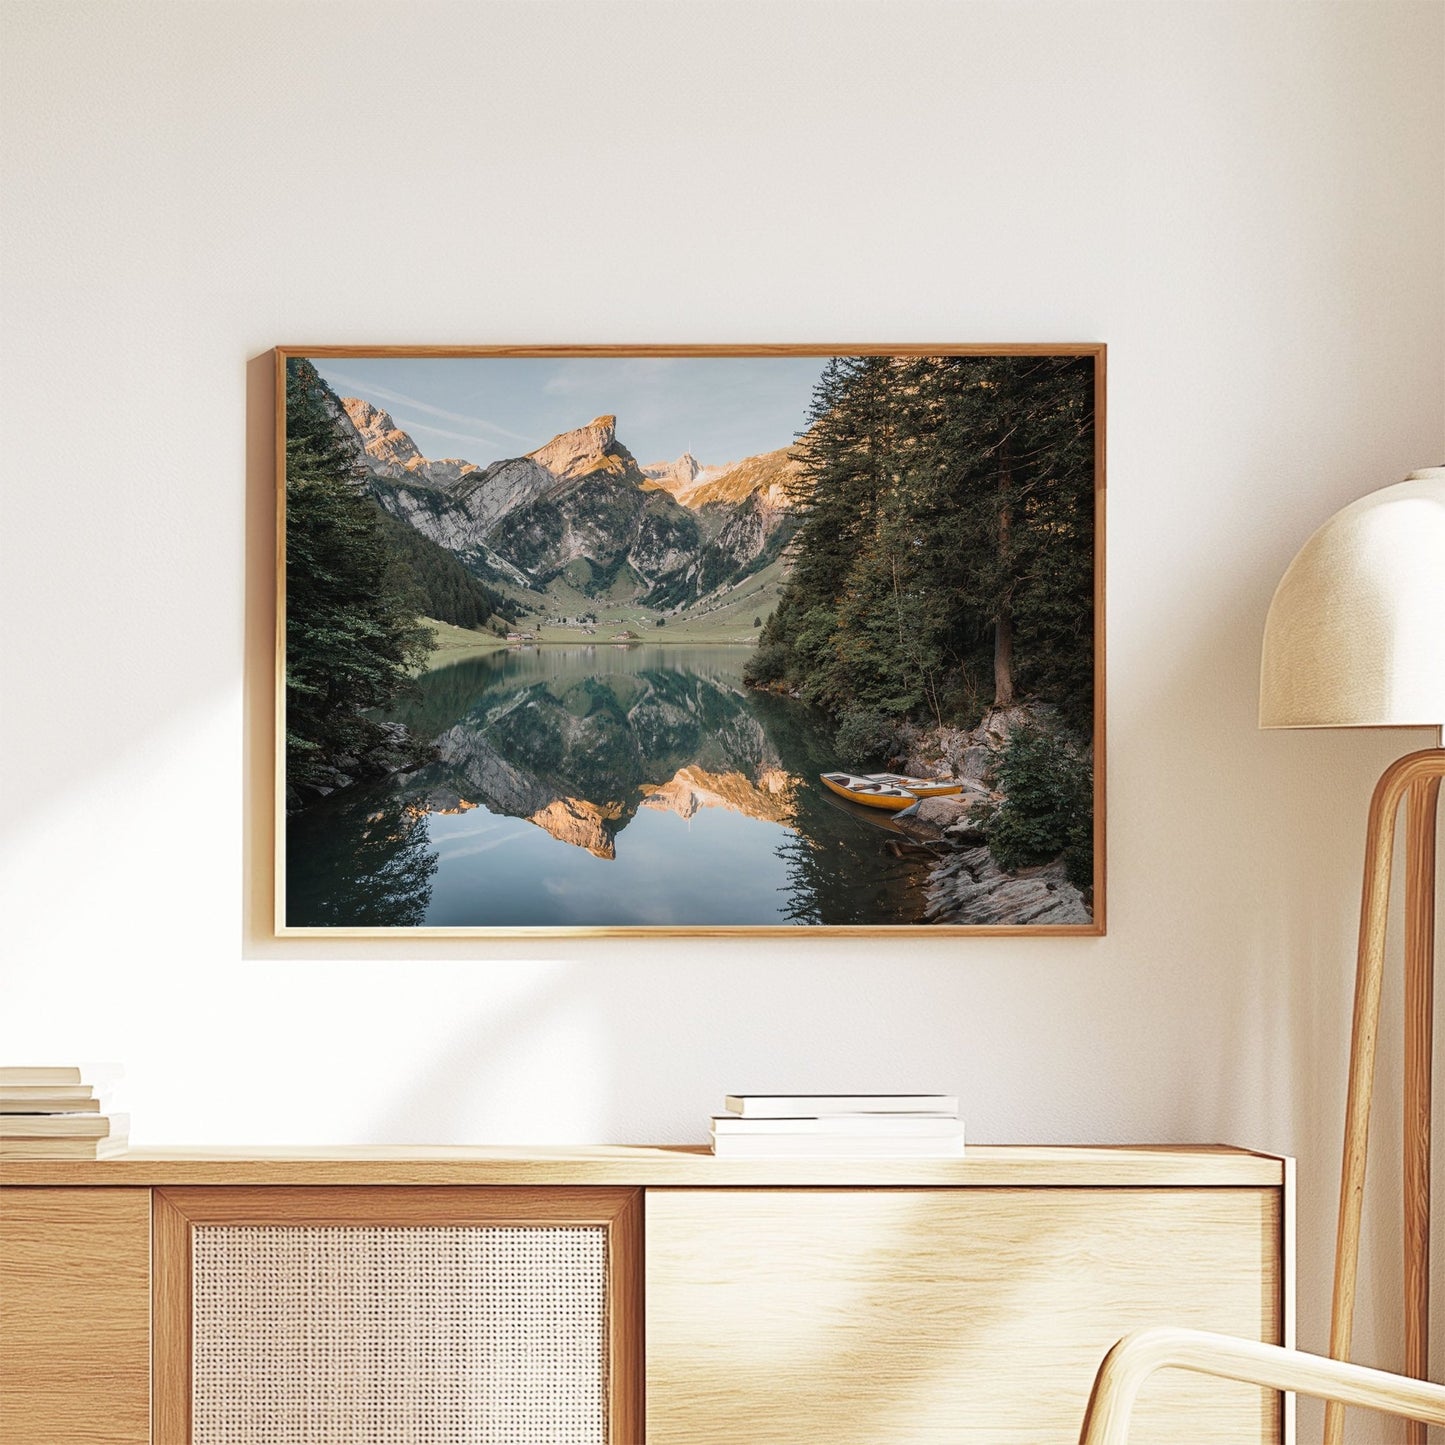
369	390
580	373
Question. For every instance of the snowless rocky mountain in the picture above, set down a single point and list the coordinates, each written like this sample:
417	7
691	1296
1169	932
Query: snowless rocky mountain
392	452
672	477
696	486
665	535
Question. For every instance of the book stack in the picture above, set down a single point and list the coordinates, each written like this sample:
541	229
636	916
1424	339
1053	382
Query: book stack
56	1113
838	1126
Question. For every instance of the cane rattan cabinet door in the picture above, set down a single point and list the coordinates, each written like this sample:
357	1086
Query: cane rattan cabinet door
397	1316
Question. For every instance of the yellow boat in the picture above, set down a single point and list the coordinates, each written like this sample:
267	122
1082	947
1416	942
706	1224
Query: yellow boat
919	787
868	792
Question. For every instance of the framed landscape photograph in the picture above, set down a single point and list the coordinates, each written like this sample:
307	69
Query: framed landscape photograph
783	640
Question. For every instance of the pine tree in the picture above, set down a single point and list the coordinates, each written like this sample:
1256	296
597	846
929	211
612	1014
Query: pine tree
944	556
352	637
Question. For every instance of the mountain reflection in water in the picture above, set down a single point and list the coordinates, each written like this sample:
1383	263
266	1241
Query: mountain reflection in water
599	786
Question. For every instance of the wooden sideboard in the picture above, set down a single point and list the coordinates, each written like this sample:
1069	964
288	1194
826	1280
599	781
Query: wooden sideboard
876	1302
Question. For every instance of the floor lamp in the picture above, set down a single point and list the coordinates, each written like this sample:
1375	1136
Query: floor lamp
1356	638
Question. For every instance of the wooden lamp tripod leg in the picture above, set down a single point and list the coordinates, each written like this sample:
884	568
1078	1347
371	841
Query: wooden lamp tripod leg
1364	1033
1419	775
1420	811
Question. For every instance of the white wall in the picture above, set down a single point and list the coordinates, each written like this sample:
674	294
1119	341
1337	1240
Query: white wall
1244	200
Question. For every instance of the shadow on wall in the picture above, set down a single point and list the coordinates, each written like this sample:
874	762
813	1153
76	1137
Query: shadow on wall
1262	1037
1265	909
807	1335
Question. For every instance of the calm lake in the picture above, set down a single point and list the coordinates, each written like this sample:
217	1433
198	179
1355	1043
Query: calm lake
601	785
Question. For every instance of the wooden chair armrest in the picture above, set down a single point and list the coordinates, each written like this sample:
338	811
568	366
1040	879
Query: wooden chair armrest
1138	1355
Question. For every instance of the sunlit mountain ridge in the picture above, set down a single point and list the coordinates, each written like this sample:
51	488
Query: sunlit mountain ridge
666	536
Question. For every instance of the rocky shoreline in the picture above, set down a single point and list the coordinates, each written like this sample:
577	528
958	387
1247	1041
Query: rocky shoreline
965	885
969	887
396	750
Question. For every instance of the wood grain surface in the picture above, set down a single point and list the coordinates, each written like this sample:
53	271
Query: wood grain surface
984	1165
1421	810
1411	774
75	1316
902	1317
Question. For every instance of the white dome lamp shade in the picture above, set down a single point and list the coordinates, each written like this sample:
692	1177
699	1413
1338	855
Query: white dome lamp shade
1356	638
1356	632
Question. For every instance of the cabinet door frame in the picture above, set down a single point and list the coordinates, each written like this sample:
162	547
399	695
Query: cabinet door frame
175	1213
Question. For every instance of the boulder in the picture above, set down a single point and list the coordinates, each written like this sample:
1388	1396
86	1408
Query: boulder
968	830
1000	723
977	762
930	750
970	888
396	750
946	811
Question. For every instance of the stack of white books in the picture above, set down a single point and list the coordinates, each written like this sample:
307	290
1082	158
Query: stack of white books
60	1112
838	1126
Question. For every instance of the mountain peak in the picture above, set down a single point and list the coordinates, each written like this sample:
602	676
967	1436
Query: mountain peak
695	486
390	452
574	453
381	436
674	477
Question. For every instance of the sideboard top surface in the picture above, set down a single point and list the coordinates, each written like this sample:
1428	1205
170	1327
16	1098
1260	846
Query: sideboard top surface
685	1166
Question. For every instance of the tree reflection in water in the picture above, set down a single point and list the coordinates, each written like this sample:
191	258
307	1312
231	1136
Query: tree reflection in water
359	860
576	742
842	868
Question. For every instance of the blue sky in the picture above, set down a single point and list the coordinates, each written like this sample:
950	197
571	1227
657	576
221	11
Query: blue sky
482	408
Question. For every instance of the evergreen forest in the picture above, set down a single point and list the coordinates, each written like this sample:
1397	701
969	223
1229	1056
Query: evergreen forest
943	562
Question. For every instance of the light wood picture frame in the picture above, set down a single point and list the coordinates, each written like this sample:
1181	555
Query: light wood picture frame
545	679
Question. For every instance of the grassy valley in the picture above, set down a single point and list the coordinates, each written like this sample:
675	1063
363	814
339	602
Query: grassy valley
723	617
